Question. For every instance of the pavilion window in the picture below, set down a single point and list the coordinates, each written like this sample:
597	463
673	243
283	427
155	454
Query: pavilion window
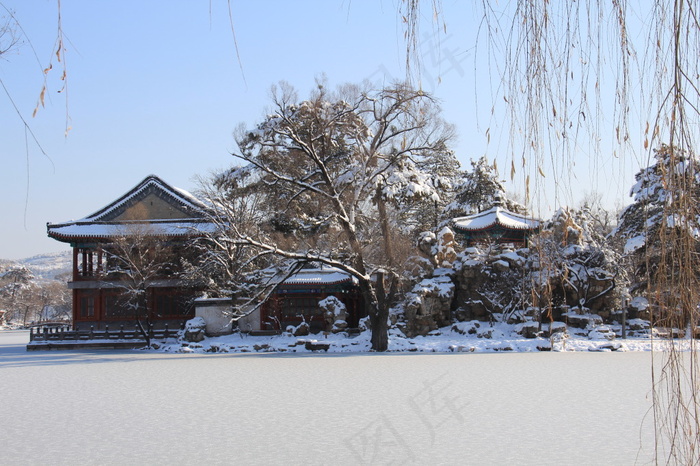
87	306
294	307
172	304
116	305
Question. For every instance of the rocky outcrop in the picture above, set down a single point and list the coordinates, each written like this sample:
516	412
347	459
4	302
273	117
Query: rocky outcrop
429	304
334	313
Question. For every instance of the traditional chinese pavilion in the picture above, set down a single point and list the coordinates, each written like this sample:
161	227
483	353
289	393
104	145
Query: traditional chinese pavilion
154	208
296	299
495	225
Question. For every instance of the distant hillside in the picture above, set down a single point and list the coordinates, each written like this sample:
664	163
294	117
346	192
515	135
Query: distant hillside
48	266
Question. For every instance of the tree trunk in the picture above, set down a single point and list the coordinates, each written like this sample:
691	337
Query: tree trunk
386	229
380	330
145	330
377	317
378	314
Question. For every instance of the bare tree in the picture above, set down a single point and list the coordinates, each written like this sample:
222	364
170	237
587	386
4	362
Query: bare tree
9	39
226	266
17	290
135	261
339	167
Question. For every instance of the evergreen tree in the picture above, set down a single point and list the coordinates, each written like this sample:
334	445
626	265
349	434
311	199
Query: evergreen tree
479	190
660	231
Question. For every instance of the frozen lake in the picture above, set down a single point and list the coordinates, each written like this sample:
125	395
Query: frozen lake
131	407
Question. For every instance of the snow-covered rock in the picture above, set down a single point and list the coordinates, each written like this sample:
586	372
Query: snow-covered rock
429	303
194	330
335	314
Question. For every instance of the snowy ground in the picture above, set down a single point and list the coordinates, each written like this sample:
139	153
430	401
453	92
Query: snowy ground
460	337
146	407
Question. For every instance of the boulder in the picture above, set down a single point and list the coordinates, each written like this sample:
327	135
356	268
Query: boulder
529	329
194	330
301	329
314	345
335	314
583	321
602	332
430	304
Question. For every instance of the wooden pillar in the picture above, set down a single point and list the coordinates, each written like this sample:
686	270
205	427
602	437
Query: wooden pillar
90	264
76	306
99	260
84	264
75	264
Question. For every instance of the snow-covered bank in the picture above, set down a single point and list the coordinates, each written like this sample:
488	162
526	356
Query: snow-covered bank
460	337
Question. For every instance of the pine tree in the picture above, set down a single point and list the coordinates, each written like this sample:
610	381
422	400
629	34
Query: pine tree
480	190
666	197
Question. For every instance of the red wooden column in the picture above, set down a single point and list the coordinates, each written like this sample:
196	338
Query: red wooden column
75	264
76	306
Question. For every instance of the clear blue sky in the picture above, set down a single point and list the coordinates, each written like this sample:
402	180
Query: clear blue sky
155	88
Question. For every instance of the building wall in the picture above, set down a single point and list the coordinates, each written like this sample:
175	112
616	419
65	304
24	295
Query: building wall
151	207
98	307
216	313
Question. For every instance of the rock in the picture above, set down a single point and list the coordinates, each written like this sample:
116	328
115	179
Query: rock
500	265
334	313
528	329
446	254
430	304
194	330
613	346
465	328
583	320
602	332
427	244
301	329
639	308
314	345
339	326
557	327
460	349
595	320
638	324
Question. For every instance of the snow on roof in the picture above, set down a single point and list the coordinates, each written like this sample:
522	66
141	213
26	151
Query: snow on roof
495	216
96	230
101	224
322	276
151	182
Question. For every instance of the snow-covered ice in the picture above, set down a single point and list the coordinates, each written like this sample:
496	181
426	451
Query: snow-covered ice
137	407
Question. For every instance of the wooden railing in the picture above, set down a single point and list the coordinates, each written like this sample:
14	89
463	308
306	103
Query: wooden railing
64	333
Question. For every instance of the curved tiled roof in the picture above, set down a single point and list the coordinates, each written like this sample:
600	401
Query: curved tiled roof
321	277
150	184
96	231
102	225
495	216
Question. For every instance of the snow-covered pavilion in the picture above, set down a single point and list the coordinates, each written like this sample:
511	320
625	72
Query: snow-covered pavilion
152	208
495	225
